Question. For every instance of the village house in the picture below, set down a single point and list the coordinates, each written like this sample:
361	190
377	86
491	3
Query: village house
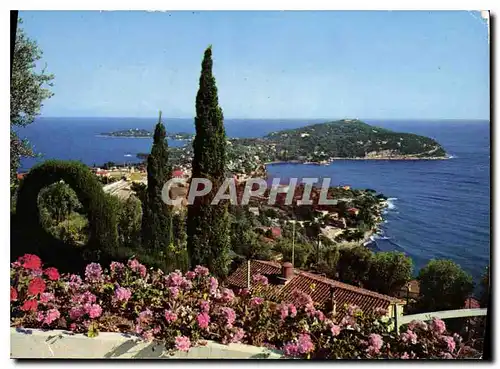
327	294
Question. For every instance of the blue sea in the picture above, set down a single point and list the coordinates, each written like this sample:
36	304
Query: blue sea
438	209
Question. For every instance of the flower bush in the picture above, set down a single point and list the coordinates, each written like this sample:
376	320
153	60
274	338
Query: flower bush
183	310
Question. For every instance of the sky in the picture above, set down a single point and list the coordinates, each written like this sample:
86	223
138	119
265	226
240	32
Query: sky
324	64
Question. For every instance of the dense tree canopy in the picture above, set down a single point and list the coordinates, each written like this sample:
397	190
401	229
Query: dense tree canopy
389	272
444	285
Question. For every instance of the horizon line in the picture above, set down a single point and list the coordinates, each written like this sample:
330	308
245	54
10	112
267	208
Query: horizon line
287	118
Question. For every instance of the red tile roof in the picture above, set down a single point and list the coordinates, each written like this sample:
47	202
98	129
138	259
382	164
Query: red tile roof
318	287
471	303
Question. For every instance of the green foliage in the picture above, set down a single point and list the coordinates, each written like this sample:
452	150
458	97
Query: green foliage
129	223
208	226
444	285
29	233
156	219
59	201
302	252
245	241
389	272
354	264
485	288
28	90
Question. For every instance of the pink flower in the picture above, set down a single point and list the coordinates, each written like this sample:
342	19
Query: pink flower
227	295
30	305
182	343
174	279
438	326
76	312
243	291
116	267
260	279
450	342
405	356
122	294
40	316
52	314
320	315
94	311
310	310
305	344
93	272
52	273
145	316
292	310
229	315
203	320
13	294
201	270
137	267
255	301
375	343
409	336
418	324
301	298
174	292
36	286
190	275
74	282
46	297
291	349
213	285
30	262
283	308
335	330
147	335
170	316
238	335
205	306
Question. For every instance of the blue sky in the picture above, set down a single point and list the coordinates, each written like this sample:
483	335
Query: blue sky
392	65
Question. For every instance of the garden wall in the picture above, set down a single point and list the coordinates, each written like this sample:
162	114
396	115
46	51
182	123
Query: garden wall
58	344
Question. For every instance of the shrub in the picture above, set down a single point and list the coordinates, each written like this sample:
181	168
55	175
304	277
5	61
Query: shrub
182	309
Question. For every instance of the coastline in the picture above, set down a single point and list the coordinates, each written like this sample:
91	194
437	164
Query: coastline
279	162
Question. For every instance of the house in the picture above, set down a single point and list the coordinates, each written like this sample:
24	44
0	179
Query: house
177	173
410	291
472	303
346	187
328	294
353	211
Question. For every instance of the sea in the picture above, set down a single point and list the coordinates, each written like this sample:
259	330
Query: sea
438	209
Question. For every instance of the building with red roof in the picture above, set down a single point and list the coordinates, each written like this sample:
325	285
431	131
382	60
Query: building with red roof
177	173
327	293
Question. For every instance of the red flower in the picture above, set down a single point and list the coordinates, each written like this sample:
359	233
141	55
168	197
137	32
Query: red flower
30	261
30	305
36	286
52	273
13	294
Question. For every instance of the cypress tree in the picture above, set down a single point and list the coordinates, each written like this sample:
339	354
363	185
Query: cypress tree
156	233
208	225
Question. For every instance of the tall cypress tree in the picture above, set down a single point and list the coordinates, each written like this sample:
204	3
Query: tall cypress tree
156	223
208	225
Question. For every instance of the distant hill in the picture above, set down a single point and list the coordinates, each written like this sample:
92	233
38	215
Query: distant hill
351	139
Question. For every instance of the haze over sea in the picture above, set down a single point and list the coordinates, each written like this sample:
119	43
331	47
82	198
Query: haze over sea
438	209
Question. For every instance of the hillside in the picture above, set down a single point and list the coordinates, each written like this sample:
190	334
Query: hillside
351	139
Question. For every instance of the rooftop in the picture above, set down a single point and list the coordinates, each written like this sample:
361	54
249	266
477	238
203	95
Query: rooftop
318	287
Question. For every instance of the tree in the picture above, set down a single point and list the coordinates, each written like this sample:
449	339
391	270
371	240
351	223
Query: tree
28	90
485	288
129	223
59	201
354	265
156	222
443	286
389	272
208	226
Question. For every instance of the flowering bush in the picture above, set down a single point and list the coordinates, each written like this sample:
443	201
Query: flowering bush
184	309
